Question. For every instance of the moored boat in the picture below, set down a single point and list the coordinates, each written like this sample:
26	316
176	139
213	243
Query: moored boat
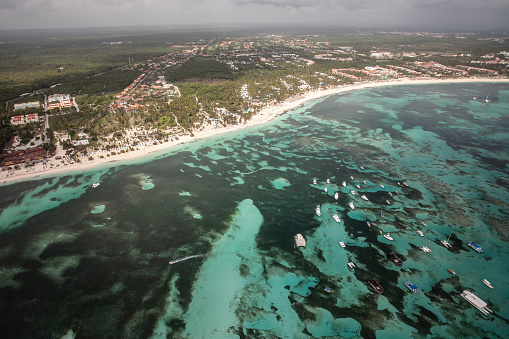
364	197
476	302
299	240
425	249
388	202
314	181
336	195
420	233
376	285
487	283
358	186
326	289
325	189
395	259
351	265
411	287
317	210
335	217
353	192
351	205
328	181
344	183
382	186
388	237
476	247
95	184
451	271
342	244
369	224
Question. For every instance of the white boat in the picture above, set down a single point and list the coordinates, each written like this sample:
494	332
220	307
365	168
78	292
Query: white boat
314	181
351	265
364	197
342	244
476	302
425	249
362	167
351	205
358	186
423	223
405	184
95	184
318	212
446	244
344	184
335	217
390	193
336	195
353	192
487	283
420	233
351	177
325	189
382	186
388	236
299	240
388	202
328	181
487	100
474	98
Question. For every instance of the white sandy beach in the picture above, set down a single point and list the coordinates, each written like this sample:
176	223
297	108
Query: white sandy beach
263	116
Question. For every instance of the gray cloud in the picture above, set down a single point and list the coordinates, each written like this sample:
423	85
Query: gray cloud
374	13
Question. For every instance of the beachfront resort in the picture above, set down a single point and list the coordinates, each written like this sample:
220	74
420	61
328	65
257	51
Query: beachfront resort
214	86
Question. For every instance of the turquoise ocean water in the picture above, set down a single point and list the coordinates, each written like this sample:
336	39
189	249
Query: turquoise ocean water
85	262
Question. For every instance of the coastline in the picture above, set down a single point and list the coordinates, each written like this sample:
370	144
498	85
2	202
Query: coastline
264	116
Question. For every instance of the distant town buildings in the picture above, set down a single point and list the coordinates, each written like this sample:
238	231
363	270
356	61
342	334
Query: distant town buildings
24	119
33	104
64	100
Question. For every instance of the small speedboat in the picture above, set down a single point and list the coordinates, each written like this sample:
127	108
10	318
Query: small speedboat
336	195
487	283
423	223
451	271
364	197
353	192
388	237
369	224
326	289
358	186
344	184
314	181
382	214
411	287
351	205
388	202
420	233
382	186
390	193
328	181
351	177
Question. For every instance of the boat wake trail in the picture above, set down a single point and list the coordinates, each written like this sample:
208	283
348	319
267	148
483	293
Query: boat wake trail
185	258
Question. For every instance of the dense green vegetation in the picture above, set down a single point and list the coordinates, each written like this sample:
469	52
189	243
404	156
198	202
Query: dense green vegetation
202	69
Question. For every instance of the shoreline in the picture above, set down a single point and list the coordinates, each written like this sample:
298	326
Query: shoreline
265	115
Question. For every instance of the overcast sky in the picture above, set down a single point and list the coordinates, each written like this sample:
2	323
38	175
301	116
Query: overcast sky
431	14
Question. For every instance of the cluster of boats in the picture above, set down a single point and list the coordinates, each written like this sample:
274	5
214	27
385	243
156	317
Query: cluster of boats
299	239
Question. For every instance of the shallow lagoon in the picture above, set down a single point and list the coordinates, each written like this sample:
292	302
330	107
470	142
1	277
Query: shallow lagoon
94	262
